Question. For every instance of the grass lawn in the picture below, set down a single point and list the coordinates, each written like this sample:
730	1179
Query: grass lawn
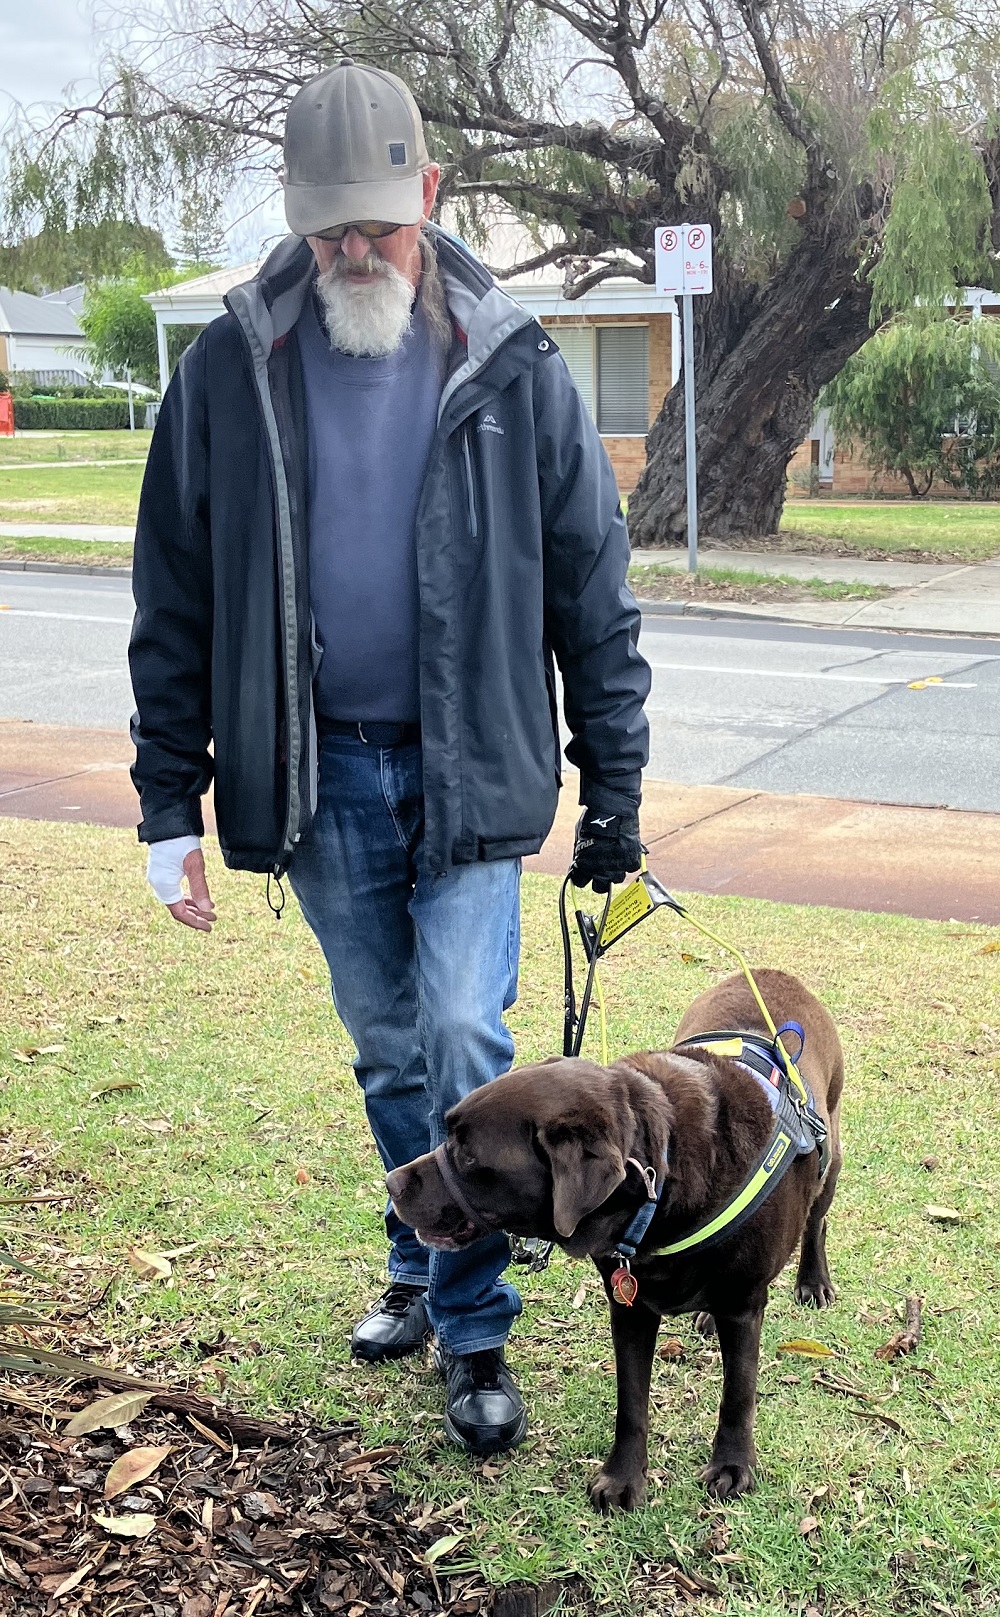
657	581
85	552
244	1131
950	530
24	450
95	494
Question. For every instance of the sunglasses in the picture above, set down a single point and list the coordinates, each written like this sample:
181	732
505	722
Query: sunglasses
370	229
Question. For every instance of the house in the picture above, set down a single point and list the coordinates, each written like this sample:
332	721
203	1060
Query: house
40	337
620	341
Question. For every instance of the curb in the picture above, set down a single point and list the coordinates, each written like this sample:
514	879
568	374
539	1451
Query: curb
10	565
698	609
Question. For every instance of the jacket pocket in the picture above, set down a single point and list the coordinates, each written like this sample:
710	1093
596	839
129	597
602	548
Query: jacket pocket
470	483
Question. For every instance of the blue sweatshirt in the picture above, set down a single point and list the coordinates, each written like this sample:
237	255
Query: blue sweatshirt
371	424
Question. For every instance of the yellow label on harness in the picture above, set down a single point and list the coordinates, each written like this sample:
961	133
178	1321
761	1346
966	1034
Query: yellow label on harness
627	907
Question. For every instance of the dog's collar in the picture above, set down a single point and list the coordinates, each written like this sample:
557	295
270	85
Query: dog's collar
458	1191
798	1131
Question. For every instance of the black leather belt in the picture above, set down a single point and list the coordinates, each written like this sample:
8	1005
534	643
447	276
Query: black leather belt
375	732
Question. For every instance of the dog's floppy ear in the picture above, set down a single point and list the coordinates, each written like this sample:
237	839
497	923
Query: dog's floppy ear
585	1167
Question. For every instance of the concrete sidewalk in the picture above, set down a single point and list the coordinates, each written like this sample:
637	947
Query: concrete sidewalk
936	598
941	597
939	863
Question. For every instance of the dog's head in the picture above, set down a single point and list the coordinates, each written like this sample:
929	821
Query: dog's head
541	1151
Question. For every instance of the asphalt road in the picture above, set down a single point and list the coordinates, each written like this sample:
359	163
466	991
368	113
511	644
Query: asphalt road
775	707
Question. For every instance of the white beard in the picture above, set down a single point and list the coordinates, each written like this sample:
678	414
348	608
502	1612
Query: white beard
370	317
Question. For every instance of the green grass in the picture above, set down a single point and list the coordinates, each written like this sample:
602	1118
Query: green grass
88	552
660	581
948	530
94	494
244	1079
68	446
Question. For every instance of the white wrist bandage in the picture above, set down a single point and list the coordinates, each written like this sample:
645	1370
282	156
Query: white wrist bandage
166	866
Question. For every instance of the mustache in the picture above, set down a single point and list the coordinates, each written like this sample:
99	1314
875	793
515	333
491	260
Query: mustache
344	268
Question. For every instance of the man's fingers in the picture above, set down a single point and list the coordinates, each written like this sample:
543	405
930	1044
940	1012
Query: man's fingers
188	915
194	870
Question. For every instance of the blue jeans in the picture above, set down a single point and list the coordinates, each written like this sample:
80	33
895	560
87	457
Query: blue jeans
422	968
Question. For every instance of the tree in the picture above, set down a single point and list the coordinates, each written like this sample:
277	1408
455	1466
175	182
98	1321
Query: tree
921	400
843	150
120	326
201	238
54	258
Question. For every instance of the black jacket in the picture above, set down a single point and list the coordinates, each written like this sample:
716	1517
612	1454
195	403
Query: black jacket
522	554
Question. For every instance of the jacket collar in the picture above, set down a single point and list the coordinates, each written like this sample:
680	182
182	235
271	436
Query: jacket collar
268	306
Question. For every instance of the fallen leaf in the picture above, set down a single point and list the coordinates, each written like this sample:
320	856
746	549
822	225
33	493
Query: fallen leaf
305	975
137	1526
442	1546
149	1265
116	1410
673	1348
930	1163
808	1525
116	1088
991	948
133	1467
302	1176
206	1431
944	1215
806	1349
28	1052
73	1579
692	959
581	1295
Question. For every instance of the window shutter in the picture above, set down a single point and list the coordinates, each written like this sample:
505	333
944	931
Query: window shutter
623	380
576	344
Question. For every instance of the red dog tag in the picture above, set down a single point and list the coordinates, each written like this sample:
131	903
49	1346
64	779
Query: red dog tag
624	1287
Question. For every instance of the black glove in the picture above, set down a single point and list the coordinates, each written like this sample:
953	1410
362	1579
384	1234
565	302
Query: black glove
607	847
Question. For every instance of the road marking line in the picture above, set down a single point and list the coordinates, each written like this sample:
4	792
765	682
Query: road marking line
61	617
785	673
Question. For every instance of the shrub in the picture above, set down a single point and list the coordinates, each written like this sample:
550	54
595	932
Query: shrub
70	415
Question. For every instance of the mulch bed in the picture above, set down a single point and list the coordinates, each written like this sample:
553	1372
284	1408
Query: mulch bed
682	586
310	1524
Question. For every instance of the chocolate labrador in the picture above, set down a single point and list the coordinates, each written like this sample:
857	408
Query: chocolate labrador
581	1154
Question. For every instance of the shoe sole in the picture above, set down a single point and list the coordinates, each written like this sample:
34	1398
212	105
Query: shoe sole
387	1355
484	1450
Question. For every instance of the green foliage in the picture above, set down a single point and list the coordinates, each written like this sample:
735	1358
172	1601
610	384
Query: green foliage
120	326
70	415
4	382
53	258
902	396
937	236
766	169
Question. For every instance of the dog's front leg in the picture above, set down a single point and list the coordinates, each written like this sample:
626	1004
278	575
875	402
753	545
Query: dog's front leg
730	1470
621	1481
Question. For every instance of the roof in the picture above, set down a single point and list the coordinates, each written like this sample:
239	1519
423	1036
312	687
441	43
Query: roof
24	315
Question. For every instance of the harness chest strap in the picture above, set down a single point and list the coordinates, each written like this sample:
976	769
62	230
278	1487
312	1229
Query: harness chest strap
798	1131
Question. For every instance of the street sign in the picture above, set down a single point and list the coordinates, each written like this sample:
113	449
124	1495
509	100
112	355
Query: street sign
684	270
683	259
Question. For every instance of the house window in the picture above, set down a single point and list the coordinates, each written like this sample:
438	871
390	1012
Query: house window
610	366
622	380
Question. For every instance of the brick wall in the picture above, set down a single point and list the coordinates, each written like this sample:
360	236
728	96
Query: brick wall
853	475
628	455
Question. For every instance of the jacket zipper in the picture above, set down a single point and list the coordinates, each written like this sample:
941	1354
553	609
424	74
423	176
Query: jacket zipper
470	487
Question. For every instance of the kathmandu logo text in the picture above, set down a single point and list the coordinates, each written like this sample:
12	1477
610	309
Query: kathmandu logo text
489	424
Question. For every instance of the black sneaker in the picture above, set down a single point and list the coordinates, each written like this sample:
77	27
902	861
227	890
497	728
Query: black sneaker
484	1412
396	1326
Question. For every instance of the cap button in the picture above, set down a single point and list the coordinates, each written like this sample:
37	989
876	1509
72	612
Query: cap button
346	61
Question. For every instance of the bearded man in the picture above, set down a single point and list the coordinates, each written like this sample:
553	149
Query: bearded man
376	515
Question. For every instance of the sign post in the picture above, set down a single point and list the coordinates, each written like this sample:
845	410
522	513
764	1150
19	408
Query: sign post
684	270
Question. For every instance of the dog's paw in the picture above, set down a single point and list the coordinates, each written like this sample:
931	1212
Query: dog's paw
610	1491
704	1324
815	1293
726	1479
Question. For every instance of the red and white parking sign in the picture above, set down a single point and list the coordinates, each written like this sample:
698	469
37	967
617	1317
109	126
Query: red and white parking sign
683	259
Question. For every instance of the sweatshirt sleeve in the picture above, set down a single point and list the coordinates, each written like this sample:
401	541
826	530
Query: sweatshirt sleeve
171	644
592	620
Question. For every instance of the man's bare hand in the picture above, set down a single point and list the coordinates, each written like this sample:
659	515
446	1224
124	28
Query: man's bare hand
195	907
169	863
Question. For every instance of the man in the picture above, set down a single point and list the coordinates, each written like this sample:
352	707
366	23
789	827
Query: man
375	511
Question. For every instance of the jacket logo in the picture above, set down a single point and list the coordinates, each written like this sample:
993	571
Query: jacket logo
605	822
489	424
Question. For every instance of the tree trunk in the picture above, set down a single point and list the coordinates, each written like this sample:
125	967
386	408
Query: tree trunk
761	358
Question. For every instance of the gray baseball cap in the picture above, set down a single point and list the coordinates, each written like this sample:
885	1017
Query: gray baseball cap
354	149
